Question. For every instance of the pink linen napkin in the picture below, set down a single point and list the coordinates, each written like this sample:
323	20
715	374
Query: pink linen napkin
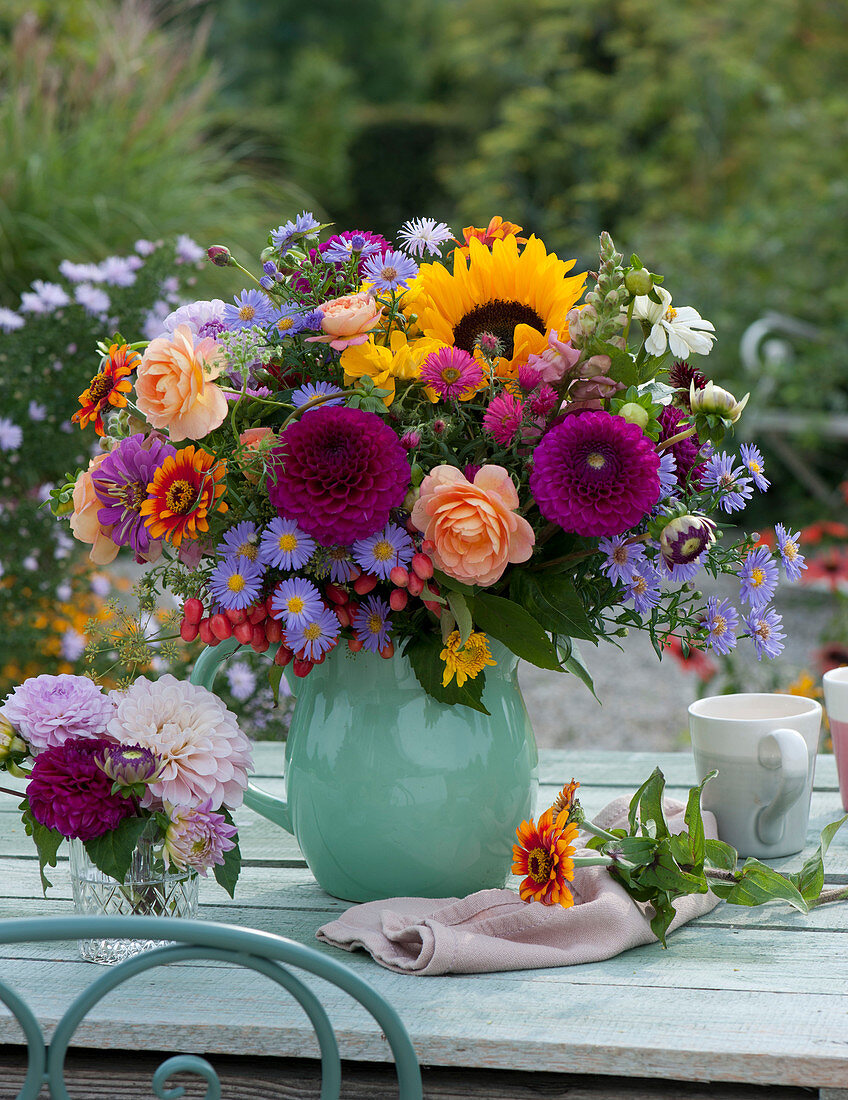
494	930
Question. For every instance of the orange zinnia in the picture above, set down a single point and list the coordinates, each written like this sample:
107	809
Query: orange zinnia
544	854
564	801
108	387
184	490
496	230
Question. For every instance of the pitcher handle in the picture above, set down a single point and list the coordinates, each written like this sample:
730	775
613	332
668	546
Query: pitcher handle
203	674
784	751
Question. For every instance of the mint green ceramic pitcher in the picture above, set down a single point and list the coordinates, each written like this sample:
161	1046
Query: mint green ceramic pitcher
390	792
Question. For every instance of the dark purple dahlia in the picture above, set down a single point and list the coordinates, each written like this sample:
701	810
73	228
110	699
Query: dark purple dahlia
685	451
595	474
69	791
338	472
120	483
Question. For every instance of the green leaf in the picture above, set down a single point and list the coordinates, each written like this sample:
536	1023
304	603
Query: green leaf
423	652
112	852
759	884
47	842
623	368
227	873
516	628
810	879
274	678
459	608
647	805
553	601
574	664
720	855
694	821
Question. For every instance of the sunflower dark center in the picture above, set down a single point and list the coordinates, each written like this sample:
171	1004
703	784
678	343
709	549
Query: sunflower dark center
499	318
100	386
539	865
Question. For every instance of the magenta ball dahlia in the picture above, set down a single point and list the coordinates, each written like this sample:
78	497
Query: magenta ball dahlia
595	474
338	472
68	790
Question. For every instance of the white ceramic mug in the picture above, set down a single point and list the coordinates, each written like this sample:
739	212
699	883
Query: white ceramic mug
836	701
764	749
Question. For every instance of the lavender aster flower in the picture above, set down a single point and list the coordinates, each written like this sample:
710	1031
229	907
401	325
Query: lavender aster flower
420	234
284	546
340	250
93	299
9	320
763	624
622	557
372	623
296	601
308	392
80	273
241	681
681	572
36	411
312	321
188	251
44	298
250	308
390	271
304	225
721	623
47	710
643	587
752	460
235	583
120	483
241	541
758	577
338	563
733	488
287	320
119	270
668	474
787	545
381	552
11	436
314	636
197	838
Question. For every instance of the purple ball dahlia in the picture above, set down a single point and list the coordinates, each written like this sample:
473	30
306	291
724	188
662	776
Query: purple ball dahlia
47	710
69	791
338	472
120	483
685	451
595	474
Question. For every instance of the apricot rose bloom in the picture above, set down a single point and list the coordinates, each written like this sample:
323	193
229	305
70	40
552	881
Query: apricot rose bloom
175	388
256	444
347	321
473	525
84	522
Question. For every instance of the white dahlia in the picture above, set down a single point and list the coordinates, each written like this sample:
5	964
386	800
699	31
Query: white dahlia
205	755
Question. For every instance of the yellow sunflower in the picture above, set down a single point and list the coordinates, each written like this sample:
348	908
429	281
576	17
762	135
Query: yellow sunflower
518	295
401	359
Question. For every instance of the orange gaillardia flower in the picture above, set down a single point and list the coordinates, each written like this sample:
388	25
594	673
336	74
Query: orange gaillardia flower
184	490
496	230
108	387
544	854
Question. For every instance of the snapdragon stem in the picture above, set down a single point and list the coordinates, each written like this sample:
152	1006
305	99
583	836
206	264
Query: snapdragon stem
666	443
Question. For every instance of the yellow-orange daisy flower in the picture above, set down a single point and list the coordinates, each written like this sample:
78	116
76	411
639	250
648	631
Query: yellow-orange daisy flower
185	489
402	359
566	798
108	387
518	296
544	854
496	230
465	662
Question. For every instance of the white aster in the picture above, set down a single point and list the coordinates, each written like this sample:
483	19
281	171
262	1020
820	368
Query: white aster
683	330
420	234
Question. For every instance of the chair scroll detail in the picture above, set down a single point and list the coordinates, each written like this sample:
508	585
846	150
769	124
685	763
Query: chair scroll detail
267	954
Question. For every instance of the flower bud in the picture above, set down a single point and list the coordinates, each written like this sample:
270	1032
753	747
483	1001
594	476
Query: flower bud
638	281
685	538
634	413
12	747
713	399
219	254
130	767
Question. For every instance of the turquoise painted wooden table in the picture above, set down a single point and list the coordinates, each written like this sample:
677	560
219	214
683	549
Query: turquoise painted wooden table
755	1001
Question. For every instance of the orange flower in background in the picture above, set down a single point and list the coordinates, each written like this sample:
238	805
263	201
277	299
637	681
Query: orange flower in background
175	388
695	661
108	387
496	230
564	801
185	489
544	854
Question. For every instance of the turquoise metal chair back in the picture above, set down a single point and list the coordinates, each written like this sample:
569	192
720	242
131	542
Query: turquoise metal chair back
267	954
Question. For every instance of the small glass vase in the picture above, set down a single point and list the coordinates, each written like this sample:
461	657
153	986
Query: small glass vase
145	892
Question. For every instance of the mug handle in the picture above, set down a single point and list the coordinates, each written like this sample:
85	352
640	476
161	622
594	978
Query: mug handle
786	751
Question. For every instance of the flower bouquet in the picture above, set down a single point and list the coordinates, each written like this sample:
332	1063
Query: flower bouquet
376	448
154	770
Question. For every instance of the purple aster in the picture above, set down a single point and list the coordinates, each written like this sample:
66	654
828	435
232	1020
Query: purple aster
241	541
390	271
235	583
451	372
380	553
80	273
287	320
93	299
622	557
47	710
284	236
595	474
752	460
144	247
790	555
304	394
188	251
339	250
732	488
420	234
643	587
338	563
9	320
284	546
758	577
69	792
296	601
11	436
312	321
44	298
668	474
721	624
339	472
241	681
119	270
314	636
372	623
120	483
250	308
685	451
763	624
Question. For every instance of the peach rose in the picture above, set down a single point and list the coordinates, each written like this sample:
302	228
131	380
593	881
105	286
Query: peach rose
256	443
348	320
473	525
174	388
84	522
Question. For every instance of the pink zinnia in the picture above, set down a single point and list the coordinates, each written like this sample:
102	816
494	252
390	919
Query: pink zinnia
451	372
595	474
503	417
